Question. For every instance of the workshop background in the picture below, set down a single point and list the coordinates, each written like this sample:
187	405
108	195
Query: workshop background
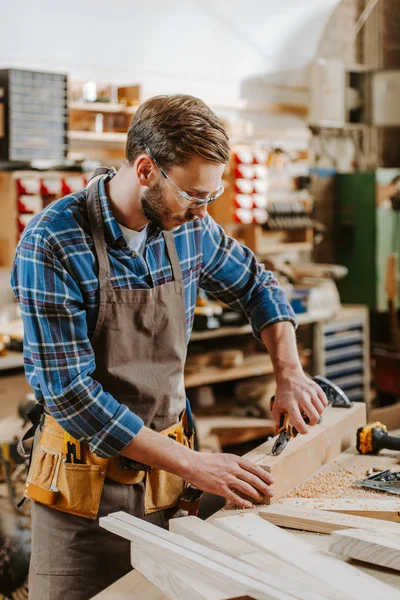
309	93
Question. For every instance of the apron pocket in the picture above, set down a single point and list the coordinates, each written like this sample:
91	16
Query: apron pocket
43	469
80	488
163	490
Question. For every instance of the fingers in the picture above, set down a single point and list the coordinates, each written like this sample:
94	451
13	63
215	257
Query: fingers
321	396
318	404
296	419
237	500
261	473
247	490
311	412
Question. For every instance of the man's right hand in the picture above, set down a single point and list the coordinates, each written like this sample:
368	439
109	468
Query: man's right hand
226	475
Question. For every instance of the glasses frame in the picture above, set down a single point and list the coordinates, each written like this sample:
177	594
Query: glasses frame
189	200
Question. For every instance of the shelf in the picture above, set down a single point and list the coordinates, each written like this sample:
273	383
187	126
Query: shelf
233	430
102	107
221	332
285	247
253	366
11	360
315	316
93	136
302	319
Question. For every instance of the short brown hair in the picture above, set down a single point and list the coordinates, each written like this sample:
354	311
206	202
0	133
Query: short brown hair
175	128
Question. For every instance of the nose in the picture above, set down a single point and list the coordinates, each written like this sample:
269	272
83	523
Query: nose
200	211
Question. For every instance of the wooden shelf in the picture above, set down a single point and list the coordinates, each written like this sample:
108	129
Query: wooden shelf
284	247
315	316
253	366
93	136
102	107
221	332
302	318
11	360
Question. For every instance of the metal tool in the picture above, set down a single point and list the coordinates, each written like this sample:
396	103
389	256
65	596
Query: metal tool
336	397
72	450
385	481
374	437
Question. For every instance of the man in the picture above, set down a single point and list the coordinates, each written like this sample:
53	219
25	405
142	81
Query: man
107	280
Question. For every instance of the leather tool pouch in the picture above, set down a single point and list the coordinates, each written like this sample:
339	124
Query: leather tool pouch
68	487
77	488
163	489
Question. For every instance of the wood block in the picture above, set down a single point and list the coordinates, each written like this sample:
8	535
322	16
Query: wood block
293	581
322	521
384	509
388	415
342	577
305	454
132	585
182	568
368	546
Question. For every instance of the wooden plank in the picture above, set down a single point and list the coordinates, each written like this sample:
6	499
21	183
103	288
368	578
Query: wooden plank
367	546
292	580
132	585
230	429
388	415
253	366
305	454
385	509
341	576
322	521
182	568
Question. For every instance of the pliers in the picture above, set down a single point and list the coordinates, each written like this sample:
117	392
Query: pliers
285	431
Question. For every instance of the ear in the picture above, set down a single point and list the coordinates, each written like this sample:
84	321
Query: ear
145	170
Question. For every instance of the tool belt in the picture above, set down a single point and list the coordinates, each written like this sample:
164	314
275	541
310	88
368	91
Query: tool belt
64	474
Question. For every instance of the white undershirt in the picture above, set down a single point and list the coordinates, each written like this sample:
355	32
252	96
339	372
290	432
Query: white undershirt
136	240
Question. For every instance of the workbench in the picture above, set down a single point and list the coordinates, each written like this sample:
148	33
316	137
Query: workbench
349	464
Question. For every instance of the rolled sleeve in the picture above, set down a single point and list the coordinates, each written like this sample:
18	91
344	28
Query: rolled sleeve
274	309
117	434
58	351
232	274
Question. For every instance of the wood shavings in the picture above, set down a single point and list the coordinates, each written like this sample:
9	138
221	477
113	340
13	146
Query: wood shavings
336	479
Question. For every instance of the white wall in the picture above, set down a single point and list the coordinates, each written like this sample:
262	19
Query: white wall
220	50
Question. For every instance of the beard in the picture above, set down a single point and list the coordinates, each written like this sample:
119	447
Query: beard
156	210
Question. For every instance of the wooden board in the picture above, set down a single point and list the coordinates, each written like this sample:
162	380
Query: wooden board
322	521
373	508
182	568
367	546
341	576
132	585
305	454
388	415
253	366
293	581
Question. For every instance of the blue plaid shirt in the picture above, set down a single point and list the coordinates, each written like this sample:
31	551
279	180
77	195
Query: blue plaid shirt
54	279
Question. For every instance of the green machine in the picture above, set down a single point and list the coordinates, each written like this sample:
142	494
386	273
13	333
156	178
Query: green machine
368	231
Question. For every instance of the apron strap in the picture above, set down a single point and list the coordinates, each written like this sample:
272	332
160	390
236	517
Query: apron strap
173	256
97	228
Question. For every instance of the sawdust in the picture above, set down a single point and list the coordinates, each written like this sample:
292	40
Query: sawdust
338	481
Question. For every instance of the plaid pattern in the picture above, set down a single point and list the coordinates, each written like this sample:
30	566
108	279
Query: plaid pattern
54	279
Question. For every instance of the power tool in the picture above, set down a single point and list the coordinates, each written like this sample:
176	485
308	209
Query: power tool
286	430
374	437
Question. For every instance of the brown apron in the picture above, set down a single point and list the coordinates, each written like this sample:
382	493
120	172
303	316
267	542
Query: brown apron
140	350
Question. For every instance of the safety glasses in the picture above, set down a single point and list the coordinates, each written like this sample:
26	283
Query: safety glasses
184	199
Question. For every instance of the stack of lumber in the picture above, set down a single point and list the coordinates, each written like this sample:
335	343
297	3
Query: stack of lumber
373	541
239	556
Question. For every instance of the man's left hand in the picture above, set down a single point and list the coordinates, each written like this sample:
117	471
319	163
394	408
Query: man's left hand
297	394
